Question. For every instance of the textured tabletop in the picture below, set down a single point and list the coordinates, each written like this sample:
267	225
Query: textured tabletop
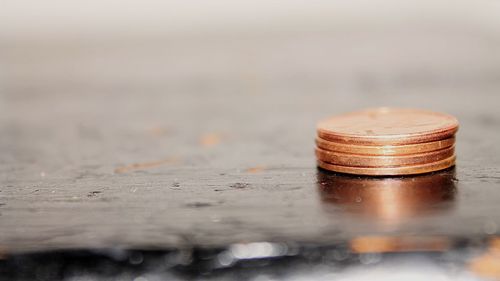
162	168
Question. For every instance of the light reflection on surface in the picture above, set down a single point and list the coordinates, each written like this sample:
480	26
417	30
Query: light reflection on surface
488	264
389	199
391	244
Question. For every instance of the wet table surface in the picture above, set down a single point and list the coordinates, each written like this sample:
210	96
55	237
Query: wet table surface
182	160
164	171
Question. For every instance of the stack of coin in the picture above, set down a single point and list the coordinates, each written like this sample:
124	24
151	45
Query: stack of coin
386	142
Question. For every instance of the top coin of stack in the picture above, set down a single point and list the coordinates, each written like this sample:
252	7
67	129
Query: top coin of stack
387	141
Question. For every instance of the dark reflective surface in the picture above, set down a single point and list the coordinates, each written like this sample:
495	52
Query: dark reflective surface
388	199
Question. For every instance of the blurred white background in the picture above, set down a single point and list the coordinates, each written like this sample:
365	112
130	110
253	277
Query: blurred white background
371	44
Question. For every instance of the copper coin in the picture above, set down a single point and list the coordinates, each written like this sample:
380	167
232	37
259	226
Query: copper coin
388	126
384	149
355	160
390	171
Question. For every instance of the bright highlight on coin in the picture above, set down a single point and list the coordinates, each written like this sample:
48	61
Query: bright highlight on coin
387	141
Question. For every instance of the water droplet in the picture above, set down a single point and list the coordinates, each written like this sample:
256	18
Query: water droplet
135	258
225	259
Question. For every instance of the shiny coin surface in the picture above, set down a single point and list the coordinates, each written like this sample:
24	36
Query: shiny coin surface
355	160
384	149
390	171
388	126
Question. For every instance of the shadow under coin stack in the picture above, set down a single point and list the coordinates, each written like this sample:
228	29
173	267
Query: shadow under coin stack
387	142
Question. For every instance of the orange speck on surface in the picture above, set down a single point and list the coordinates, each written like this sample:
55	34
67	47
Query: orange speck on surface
157	131
256	169
144	165
210	139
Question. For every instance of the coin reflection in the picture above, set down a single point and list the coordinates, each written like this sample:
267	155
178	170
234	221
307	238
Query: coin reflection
391	199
